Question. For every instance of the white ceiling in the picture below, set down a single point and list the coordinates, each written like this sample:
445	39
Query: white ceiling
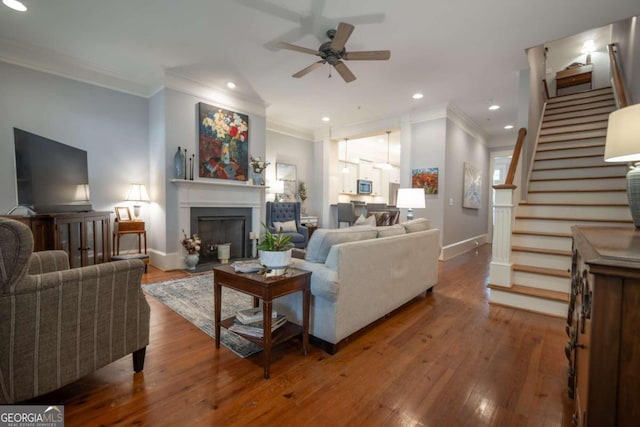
464	52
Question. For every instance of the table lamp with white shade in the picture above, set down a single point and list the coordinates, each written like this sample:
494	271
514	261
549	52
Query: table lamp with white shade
623	145
137	193
411	198
277	188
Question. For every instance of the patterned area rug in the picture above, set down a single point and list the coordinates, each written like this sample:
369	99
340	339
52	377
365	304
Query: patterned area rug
192	298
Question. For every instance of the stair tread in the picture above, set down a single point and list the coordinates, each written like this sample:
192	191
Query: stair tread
581	190
541	233
584	156
595	205
542	270
578	178
581	116
571	131
540	251
608	165
571	139
533	292
549	218
577	147
549	112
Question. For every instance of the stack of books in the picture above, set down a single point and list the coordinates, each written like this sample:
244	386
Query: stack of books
249	322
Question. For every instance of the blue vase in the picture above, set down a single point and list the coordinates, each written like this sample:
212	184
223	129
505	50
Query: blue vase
178	165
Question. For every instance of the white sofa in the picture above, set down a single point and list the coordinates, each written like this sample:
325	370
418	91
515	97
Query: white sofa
359	276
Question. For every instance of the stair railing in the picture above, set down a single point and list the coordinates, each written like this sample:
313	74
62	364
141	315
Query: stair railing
617	83
500	267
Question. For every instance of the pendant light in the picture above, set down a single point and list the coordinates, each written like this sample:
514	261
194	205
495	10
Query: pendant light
387	165
345	169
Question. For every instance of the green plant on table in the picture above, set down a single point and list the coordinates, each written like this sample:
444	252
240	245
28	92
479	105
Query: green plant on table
274	242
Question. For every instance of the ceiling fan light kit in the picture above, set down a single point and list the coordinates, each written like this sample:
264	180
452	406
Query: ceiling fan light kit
333	52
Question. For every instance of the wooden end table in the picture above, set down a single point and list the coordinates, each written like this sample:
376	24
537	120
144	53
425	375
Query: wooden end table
265	289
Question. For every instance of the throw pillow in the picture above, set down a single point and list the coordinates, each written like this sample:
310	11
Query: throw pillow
361	220
286	226
392	230
420	224
323	239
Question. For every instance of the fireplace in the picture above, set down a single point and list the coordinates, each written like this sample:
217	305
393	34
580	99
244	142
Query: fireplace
222	225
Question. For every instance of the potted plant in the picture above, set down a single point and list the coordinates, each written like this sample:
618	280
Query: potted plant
274	249
302	194
192	245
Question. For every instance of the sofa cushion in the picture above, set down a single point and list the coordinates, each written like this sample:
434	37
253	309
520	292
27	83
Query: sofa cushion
322	239
420	224
370	221
392	230
286	226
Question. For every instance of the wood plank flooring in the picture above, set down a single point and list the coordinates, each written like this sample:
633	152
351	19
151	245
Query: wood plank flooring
447	359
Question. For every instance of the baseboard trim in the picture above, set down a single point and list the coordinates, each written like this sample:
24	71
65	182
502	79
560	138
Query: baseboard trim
458	248
164	261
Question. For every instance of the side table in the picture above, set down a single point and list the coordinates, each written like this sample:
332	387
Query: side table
266	289
129	227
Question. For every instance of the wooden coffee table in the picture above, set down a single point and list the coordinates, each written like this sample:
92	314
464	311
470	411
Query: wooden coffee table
265	289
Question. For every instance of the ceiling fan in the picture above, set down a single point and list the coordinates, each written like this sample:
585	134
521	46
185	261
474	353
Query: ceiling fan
333	52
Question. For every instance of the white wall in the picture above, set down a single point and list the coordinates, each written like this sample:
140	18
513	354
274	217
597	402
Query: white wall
296	151
111	126
463	223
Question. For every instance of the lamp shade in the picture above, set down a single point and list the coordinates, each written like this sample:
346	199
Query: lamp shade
277	187
412	198
82	193
137	193
623	135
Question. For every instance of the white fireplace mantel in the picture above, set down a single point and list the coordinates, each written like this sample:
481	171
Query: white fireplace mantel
216	193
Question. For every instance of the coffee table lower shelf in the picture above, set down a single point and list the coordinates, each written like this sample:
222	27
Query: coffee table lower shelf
283	333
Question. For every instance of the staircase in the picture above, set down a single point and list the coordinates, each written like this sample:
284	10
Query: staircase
570	184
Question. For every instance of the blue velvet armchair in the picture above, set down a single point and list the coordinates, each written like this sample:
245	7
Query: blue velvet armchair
285	212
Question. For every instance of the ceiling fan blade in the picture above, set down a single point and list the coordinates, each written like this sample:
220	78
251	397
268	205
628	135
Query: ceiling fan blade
343	32
308	69
344	71
284	45
368	55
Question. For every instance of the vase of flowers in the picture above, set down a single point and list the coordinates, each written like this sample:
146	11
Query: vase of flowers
192	245
257	169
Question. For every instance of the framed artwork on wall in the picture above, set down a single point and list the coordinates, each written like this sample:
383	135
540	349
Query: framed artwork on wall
472	186
286	172
426	178
290	188
223	143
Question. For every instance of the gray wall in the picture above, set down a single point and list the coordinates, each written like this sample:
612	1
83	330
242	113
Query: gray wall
428	151
111	126
627	35
464	223
292	150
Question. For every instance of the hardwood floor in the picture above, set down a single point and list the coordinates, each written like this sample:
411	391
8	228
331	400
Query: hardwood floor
448	359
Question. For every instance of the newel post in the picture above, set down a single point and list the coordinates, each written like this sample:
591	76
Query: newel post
500	267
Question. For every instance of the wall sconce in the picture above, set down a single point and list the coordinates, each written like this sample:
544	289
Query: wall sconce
137	193
623	145
411	198
587	48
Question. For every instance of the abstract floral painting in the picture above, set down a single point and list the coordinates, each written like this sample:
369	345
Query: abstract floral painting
472	187
223	142
426	178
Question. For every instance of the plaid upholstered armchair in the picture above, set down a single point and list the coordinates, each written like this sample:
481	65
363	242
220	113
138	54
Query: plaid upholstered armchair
284	217
59	324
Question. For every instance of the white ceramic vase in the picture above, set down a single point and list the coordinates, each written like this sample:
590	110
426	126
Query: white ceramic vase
191	260
275	259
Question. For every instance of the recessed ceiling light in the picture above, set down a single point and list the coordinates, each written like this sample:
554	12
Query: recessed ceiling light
325	119
508	127
231	85
494	107
15	5
417	95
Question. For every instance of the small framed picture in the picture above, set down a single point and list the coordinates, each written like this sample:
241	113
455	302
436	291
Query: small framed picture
122	213
286	172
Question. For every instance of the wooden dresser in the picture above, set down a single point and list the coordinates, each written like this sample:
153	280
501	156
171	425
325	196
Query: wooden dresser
603	324
574	76
82	235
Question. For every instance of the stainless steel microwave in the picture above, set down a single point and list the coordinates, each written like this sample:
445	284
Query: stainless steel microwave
365	186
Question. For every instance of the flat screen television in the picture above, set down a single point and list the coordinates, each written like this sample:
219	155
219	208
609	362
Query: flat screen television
51	177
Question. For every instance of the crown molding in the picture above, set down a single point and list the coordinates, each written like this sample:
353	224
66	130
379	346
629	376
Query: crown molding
66	66
458	117
289	130
222	96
